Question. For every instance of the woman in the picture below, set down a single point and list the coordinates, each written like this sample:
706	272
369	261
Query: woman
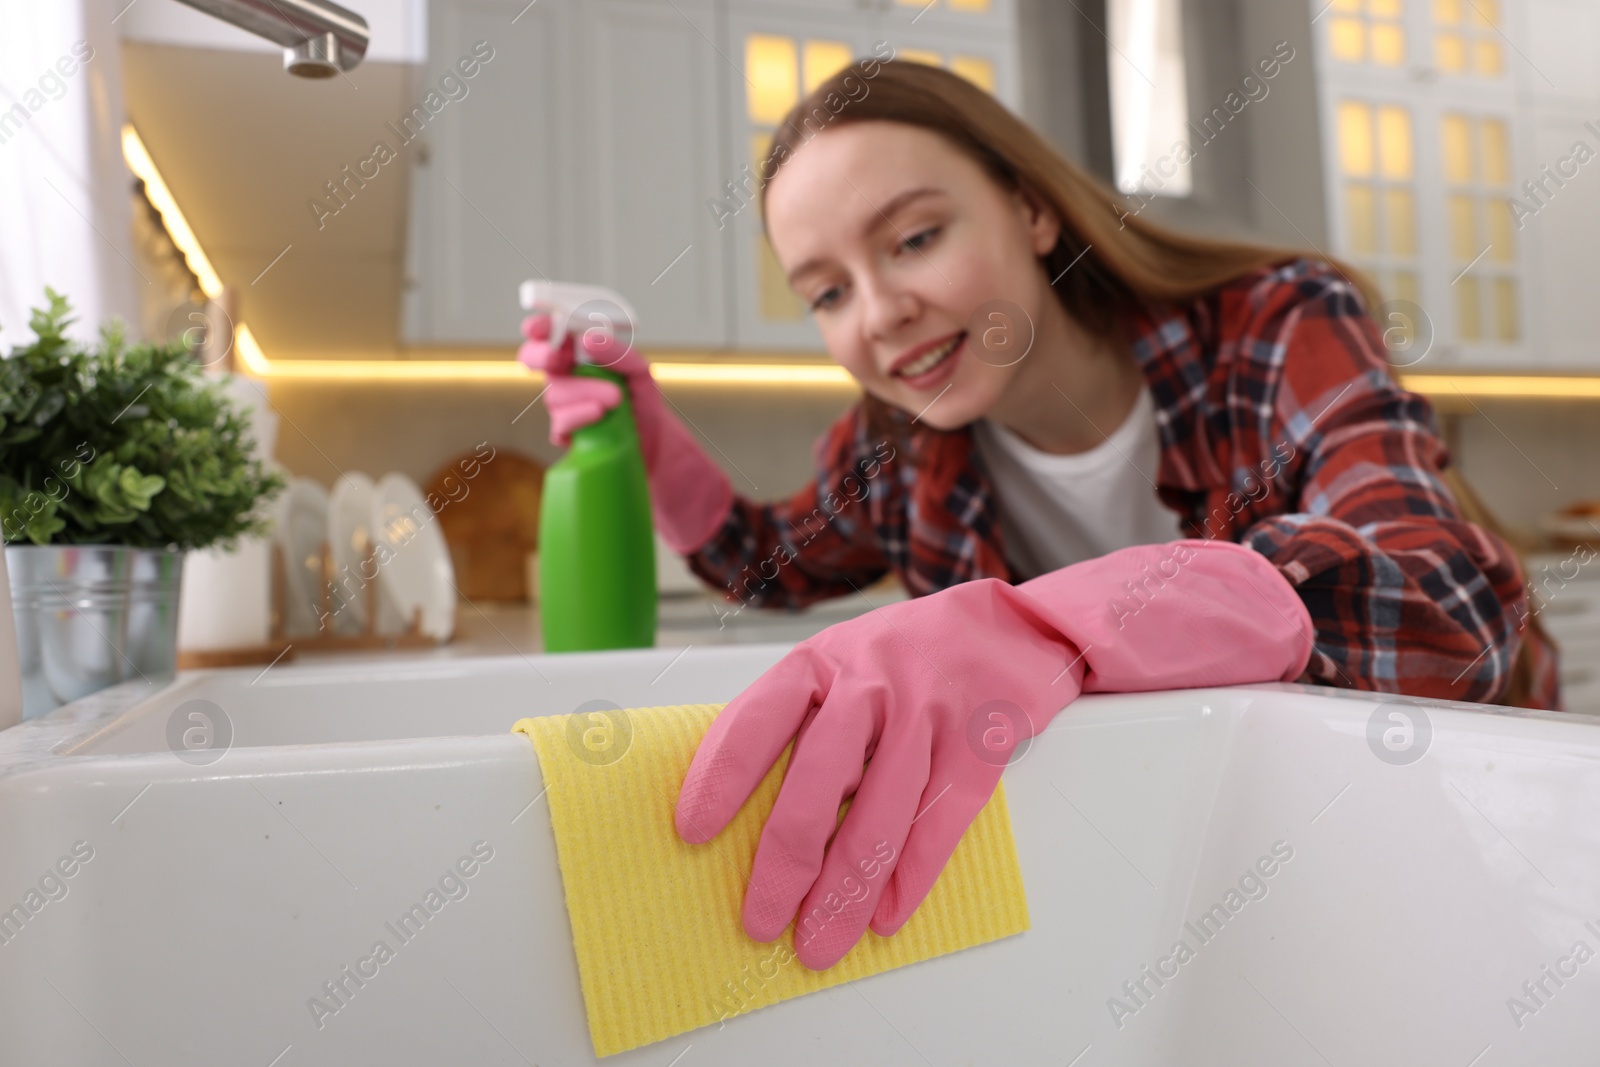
1100	456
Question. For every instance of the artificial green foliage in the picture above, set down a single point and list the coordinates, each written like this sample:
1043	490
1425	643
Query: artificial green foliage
121	444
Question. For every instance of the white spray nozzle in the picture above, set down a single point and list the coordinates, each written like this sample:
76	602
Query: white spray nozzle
579	307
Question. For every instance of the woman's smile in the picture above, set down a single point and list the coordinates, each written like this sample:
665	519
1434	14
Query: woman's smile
925	367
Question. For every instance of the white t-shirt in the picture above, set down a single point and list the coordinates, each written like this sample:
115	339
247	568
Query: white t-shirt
1059	510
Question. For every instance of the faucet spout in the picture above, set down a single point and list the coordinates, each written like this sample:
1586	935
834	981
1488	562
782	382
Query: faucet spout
319	38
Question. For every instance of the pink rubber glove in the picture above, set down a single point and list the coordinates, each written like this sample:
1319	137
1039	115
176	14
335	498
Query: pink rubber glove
937	692
689	494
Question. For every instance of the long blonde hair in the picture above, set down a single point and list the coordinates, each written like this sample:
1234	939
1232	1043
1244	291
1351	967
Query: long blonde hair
1128	263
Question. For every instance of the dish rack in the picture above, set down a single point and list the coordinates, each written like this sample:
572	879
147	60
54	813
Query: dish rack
282	645
326	639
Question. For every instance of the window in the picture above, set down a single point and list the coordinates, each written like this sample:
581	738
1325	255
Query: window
1149	103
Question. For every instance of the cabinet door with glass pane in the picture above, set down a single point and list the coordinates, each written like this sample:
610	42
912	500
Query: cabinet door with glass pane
1478	130
1483	292
779	57
782	54
976	39
1421	122
1374	212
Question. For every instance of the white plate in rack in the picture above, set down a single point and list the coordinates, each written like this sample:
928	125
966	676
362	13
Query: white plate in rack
300	528
416	569
350	541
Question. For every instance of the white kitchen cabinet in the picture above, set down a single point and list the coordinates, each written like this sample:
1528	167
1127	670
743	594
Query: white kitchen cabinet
1564	242
1402	203
587	156
581	154
616	142
650	155
494	190
1566	599
1434	115
1559	91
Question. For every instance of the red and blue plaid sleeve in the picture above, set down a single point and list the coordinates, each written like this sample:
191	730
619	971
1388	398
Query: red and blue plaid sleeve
1405	595
817	544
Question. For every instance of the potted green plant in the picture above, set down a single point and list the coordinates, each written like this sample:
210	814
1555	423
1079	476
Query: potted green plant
115	459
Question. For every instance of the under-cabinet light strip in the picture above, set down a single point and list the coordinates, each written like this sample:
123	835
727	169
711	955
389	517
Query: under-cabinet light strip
256	363
155	188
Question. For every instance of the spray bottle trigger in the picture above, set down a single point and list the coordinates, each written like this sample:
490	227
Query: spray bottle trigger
564	300
538	297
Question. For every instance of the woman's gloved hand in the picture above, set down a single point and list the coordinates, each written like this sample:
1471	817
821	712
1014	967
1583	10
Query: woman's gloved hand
689	494
937	692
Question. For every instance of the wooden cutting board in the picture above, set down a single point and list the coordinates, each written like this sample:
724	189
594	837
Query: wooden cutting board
490	519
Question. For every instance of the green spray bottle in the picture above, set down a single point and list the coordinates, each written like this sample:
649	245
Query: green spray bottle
597	562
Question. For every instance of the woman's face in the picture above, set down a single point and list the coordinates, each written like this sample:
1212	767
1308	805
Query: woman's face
901	245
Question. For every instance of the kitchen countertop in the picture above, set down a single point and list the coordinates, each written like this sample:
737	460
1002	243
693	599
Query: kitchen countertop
683	620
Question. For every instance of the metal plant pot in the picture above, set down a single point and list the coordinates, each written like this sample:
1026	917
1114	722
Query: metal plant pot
90	616
155	576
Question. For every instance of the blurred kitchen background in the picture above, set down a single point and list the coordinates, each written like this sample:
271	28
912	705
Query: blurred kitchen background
366	232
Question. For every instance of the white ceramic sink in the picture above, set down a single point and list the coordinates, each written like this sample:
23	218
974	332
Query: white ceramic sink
221	897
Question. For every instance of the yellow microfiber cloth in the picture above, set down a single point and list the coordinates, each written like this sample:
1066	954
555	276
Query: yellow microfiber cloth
656	921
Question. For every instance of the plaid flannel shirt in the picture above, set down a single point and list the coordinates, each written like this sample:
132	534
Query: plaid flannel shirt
1281	429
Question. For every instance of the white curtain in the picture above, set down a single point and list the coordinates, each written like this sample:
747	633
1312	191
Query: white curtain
64	189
